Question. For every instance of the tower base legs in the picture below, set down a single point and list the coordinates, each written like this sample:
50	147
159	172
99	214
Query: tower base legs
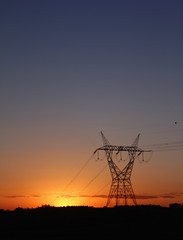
121	190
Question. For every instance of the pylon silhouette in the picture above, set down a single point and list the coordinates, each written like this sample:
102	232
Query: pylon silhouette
121	187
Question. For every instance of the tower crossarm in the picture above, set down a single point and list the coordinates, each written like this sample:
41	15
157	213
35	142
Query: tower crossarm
118	149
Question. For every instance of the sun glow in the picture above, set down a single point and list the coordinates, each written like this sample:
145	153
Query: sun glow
64	202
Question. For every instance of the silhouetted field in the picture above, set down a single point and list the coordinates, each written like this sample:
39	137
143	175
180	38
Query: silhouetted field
142	222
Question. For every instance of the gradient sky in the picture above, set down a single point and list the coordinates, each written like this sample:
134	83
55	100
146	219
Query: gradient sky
72	68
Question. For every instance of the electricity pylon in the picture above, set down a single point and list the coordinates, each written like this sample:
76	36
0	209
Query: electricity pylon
121	187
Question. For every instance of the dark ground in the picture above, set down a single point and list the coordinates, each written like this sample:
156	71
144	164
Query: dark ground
140	222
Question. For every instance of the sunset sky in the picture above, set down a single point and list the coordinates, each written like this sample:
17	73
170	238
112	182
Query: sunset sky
70	69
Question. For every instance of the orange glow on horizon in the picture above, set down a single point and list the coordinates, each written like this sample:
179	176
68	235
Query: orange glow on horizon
12	202
39	181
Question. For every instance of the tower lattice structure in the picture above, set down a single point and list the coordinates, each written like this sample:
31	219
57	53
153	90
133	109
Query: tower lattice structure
121	188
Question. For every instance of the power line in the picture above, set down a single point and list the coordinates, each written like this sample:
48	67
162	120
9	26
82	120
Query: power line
167	146
167	149
75	176
163	144
101	189
91	181
78	173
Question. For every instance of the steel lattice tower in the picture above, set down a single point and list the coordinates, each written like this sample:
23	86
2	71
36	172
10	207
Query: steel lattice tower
121	187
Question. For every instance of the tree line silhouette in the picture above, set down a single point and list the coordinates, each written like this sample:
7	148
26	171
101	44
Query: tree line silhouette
47	222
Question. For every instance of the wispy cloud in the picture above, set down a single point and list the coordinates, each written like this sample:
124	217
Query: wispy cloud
36	196
16	196
163	195
143	196
94	196
171	195
61	195
23	196
146	196
68	196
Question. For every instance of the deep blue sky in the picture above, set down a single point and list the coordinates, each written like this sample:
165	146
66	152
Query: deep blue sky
72	68
90	65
